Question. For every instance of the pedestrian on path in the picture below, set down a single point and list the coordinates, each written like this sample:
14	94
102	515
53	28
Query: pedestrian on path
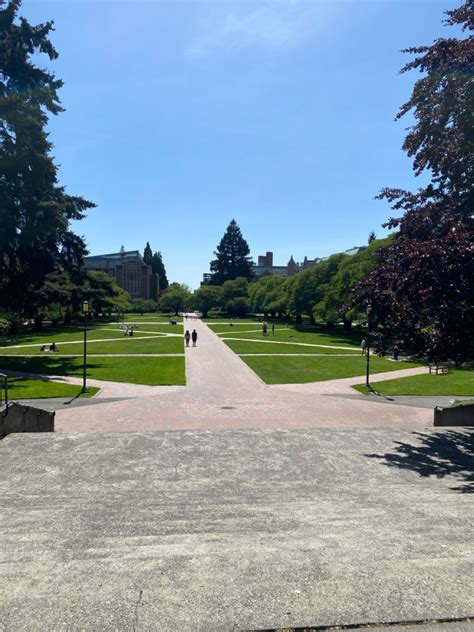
187	337
363	346
264	328
273	329
194	336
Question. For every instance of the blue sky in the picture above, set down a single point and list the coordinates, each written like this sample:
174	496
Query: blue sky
182	115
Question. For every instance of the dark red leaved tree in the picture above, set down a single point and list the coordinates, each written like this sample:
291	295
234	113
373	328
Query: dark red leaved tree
423	293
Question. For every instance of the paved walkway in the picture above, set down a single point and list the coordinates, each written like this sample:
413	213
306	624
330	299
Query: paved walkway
223	392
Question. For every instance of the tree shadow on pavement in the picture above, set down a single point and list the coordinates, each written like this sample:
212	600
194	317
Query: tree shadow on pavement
444	454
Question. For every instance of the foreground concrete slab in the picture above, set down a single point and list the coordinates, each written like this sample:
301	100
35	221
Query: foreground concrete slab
235	530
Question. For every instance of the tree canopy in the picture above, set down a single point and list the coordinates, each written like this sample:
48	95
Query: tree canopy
35	211
423	292
155	260
232	257
176	298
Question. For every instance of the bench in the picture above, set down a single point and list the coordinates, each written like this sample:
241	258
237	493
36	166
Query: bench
439	367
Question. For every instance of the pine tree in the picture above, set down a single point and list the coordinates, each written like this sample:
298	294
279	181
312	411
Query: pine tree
158	268
155	260
35	212
232	257
147	254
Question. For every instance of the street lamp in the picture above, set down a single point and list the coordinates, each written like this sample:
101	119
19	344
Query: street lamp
85	311
367	373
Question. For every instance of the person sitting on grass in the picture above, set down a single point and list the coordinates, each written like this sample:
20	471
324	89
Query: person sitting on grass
43	348
53	347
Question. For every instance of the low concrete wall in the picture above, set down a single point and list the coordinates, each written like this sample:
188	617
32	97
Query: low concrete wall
18	418
454	416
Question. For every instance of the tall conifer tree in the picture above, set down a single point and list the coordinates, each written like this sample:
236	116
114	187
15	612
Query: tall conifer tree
155	260
232	257
35	212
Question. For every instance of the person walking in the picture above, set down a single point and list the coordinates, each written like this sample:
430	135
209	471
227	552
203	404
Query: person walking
187	337
363	346
194	336
273	329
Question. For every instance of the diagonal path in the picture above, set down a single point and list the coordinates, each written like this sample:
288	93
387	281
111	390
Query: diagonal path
222	392
285	342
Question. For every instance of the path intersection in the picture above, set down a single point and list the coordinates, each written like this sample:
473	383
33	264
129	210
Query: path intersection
222	392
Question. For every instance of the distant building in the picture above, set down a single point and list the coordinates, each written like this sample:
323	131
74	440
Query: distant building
265	267
129	271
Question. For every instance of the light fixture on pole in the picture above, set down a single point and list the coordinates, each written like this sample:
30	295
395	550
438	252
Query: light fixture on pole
367	373
85	311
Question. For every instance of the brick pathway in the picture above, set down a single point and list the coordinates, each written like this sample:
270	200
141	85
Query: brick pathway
223	392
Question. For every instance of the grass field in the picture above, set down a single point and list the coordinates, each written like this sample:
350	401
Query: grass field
142	370
459	382
259	346
292	333
151	316
135	344
104	339
23	388
293	370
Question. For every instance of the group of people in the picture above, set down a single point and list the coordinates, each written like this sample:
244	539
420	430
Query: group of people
188	337
265	328
127	329
52	347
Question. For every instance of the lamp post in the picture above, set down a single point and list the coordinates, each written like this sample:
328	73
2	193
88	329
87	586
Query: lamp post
85	311
367	373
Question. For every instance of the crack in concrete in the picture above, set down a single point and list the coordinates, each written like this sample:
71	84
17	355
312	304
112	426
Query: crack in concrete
135	616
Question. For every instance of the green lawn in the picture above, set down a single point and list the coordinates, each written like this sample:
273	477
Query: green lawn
459	382
124	345
22	388
66	334
151	316
144	328
296	370
220	320
261	346
292	334
143	370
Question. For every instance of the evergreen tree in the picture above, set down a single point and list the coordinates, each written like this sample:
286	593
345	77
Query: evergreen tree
147	254
157	266
35	212
372	237
232	257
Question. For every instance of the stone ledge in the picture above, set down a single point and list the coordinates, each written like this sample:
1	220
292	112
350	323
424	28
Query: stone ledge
16	417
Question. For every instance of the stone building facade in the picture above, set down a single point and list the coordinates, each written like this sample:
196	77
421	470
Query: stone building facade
129	271
265	266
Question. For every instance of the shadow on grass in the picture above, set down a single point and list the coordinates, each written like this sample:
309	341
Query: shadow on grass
47	366
337	335
444	454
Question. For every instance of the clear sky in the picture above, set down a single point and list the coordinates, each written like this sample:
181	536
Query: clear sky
182	115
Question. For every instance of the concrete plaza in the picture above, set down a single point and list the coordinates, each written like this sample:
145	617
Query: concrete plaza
232	505
232	530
